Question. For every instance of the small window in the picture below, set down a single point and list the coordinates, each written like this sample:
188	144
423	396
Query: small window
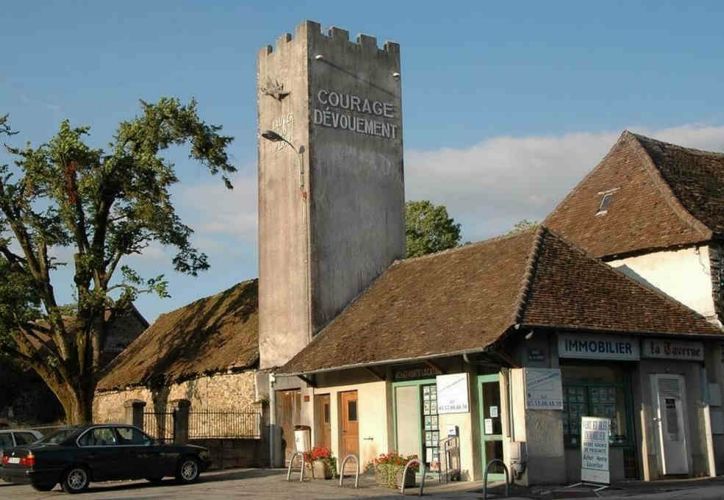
22	438
6	441
100	436
352	411
132	436
605	203
326	413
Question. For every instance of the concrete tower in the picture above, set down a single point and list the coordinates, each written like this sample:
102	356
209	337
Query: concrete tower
331	185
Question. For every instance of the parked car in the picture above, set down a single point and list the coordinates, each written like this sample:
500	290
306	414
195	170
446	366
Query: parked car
10	438
77	456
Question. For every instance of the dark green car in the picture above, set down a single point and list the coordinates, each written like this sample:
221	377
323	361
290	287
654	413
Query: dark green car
77	456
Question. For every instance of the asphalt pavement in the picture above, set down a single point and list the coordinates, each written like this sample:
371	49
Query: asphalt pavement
271	483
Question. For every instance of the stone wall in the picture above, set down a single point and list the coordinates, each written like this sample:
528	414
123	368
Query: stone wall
232	453
216	392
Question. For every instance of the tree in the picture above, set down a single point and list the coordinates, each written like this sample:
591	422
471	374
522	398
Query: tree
104	205
429	228
523	225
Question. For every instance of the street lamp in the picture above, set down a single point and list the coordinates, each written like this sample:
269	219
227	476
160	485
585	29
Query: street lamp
272	136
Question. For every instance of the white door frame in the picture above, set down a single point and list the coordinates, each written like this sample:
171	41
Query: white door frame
664	467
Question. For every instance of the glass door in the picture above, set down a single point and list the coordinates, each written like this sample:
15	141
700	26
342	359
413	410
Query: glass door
491	423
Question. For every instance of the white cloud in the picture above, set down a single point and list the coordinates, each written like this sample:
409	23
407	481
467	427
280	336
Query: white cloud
490	186
487	187
214	211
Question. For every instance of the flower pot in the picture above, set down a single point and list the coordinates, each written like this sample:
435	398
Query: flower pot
322	470
391	476
409	478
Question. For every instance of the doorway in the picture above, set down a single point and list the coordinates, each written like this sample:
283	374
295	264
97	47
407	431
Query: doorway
323	422
349	424
669	408
288	414
491	424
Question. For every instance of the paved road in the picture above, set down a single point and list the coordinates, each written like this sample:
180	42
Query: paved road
266	483
242	483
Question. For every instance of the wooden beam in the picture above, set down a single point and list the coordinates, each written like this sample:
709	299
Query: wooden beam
505	357
373	372
308	379
434	366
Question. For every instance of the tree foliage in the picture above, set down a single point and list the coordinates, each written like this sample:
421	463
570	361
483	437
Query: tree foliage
429	228
103	205
523	225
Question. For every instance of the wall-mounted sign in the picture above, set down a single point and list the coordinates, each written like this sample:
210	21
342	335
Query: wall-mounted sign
341	110
416	372
594	450
672	349
588	346
536	354
452	393
543	389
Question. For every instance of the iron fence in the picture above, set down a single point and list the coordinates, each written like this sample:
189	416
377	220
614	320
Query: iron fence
160	425
224	424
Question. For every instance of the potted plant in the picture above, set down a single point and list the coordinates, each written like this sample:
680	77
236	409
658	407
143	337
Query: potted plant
324	464
389	468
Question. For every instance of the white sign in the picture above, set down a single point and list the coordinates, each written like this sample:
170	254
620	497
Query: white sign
672	349
488	426
586	346
452	393
594	450
543	389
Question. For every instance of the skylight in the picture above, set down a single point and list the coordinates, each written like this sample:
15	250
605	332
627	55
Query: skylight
605	203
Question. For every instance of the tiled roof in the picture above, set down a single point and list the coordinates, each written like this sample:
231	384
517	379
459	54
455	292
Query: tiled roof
210	335
663	196
466	299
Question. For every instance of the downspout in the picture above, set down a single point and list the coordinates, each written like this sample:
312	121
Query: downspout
272	418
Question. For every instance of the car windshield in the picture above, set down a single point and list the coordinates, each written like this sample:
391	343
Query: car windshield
59	436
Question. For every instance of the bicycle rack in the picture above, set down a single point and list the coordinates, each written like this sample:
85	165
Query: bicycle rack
356	474
485	478
291	462
404	475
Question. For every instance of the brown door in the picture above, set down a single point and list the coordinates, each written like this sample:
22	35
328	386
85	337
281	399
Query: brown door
323	430
288	414
348	423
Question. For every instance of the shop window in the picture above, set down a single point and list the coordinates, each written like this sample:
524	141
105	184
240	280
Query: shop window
595	392
431	427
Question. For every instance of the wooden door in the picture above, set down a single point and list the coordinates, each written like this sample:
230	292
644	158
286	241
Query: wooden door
323	422
349	425
288	414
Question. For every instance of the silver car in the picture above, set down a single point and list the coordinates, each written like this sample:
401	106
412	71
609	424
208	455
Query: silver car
10	438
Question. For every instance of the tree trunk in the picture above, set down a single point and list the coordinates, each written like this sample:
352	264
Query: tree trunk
77	402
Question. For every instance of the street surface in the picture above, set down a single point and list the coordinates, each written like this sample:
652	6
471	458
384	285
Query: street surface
271	483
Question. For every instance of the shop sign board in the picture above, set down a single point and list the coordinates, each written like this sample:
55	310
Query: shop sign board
594	450
452	393
416	372
672	349
587	346
543	389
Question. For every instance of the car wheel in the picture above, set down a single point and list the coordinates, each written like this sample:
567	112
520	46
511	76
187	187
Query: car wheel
188	470
43	487
75	480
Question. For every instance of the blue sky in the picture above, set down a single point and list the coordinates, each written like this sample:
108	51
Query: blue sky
506	104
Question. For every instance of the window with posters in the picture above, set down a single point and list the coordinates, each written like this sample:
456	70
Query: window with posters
417	423
597	391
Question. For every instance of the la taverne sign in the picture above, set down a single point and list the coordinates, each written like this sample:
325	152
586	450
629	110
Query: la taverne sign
672	349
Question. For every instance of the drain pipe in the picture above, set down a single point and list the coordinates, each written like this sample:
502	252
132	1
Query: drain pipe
272	418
